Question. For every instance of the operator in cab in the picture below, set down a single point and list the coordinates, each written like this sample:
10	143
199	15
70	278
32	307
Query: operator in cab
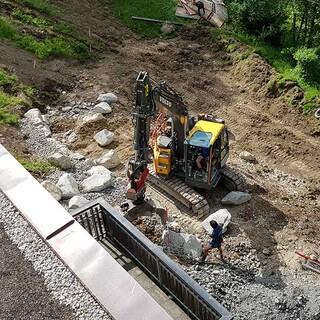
202	157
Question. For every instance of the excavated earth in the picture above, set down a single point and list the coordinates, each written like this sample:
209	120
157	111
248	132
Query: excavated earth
263	278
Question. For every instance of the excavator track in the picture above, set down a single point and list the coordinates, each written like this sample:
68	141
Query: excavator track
232	180
179	190
190	198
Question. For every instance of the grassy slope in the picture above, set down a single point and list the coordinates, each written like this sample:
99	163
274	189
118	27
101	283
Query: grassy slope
11	28
278	59
9	100
156	9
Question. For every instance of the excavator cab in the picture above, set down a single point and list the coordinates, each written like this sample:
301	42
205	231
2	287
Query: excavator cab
206	152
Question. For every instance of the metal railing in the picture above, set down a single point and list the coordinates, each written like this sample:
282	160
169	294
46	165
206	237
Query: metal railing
104	222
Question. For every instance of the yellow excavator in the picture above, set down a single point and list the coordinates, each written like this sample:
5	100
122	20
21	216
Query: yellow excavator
174	151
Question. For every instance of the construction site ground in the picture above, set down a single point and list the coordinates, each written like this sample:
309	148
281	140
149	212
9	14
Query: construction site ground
283	214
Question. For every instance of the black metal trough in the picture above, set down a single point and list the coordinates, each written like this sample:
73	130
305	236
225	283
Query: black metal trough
103	222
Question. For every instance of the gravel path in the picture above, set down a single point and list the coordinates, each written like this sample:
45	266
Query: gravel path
60	282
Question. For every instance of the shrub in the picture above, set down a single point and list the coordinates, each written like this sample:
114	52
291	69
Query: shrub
308	65
262	18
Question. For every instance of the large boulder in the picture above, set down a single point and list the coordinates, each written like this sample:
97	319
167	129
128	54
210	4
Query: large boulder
77	202
109	160
102	107
52	189
35	117
247	156
97	183
109	97
99	170
236	198
104	137
68	185
60	160
222	217
90	119
183	245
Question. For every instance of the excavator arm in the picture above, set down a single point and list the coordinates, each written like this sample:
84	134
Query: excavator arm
148	101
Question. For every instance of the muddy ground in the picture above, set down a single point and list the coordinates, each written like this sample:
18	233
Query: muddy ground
283	214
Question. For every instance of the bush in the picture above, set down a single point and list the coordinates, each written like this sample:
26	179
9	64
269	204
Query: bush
308	65
263	18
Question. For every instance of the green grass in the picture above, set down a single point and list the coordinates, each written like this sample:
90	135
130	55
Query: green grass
30	19
6	102
49	47
36	166
9	87
277	58
156	9
40	5
7	79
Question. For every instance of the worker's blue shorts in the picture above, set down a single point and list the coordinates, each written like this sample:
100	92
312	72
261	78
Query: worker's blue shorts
214	245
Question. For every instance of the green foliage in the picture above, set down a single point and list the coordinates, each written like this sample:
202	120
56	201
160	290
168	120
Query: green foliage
308	65
61	27
263	18
40	5
280	59
7	30
7	79
53	46
163	10
6	102
231	47
36	166
29	19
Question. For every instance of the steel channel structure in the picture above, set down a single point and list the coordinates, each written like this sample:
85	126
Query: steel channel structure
103	222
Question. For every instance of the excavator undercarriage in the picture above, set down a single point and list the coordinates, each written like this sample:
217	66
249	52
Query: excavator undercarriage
188	196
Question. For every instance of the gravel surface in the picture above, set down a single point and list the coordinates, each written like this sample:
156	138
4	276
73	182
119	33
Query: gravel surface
23	292
294	295
60	282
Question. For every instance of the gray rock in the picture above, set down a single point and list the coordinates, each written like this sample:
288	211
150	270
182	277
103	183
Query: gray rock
68	185
102	107
223	218
90	119
77	156
182	244
97	182
236	198
104	137
109	160
167	28
77	202
52	189
60	160
66	109
35	117
99	170
247	156
72	137
109	97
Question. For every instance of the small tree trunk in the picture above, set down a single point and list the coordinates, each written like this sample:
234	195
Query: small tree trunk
294	29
